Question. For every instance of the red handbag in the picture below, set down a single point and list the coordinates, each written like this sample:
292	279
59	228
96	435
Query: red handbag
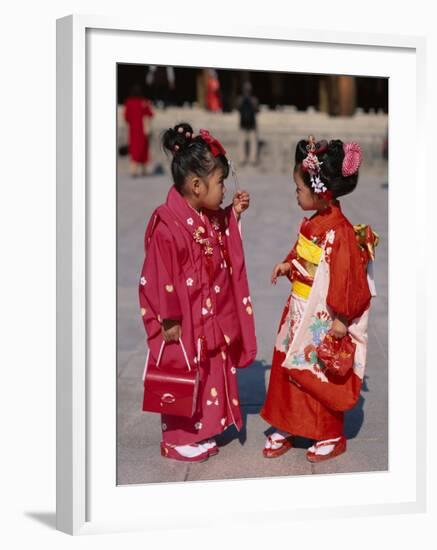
337	354
170	390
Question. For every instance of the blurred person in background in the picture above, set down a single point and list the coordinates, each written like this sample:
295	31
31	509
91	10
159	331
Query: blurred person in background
137	112
248	107
213	95
161	83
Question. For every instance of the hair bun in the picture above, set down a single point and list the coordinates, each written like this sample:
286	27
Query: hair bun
176	139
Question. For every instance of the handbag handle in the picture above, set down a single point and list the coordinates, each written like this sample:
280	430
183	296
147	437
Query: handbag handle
161	351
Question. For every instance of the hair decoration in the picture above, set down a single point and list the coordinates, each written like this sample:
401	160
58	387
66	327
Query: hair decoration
311	164
214	144
352	159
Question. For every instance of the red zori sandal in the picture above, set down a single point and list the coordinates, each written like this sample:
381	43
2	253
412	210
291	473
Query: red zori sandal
326	449
276	445
185	453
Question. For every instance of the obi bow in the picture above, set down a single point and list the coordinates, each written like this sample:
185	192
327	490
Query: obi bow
367	240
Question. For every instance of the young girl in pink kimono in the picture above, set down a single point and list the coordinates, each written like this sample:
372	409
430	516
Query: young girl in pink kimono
194	290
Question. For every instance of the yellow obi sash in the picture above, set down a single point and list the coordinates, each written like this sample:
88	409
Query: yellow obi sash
311	253
308	250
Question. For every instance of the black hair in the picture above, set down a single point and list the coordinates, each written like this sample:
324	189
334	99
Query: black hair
330	169
191	155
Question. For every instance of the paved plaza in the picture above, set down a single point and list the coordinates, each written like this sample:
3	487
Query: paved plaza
269	230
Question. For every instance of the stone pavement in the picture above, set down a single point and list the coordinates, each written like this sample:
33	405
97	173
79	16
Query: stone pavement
269	230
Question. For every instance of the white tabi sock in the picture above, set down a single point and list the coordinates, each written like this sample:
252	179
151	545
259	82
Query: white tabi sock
319	449
275	440
189	451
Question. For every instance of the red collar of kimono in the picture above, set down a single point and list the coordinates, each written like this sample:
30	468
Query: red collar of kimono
190	219
321	222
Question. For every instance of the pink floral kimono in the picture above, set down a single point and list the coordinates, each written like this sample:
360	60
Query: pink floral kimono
194	272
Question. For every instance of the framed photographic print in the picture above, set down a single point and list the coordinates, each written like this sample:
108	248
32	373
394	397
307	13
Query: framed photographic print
271	119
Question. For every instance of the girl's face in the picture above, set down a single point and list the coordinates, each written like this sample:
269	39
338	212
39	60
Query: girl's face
305	198
212	190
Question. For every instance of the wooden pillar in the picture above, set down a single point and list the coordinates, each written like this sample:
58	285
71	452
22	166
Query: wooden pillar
346	95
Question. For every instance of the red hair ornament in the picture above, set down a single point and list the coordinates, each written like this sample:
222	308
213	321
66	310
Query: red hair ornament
214	144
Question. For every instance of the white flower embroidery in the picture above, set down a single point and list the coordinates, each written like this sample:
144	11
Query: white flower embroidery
227	232
204	311
208	303
214	392
223	421
235	402
233	370
208	402
227	339
198	425
249	310
190	221
330	236
195	360
143	281
217	289
143	311
190	282
169	288
245	300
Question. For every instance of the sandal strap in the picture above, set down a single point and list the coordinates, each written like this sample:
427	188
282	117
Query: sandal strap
334	442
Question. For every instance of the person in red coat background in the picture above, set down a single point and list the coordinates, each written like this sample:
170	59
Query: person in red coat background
136	107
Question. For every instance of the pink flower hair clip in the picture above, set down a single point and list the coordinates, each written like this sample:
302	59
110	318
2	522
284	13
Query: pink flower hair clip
352	159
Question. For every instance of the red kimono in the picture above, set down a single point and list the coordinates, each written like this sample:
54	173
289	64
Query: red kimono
135	109
194	272
288	405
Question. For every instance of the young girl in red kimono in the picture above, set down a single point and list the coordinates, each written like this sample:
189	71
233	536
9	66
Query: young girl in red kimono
330	294
194	287
136	108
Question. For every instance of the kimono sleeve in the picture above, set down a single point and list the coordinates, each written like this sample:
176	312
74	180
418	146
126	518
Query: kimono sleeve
292	255
348	293
160	266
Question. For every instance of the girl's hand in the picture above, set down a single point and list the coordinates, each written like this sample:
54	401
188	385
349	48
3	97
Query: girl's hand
171	330
280	270
240	202
338	328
